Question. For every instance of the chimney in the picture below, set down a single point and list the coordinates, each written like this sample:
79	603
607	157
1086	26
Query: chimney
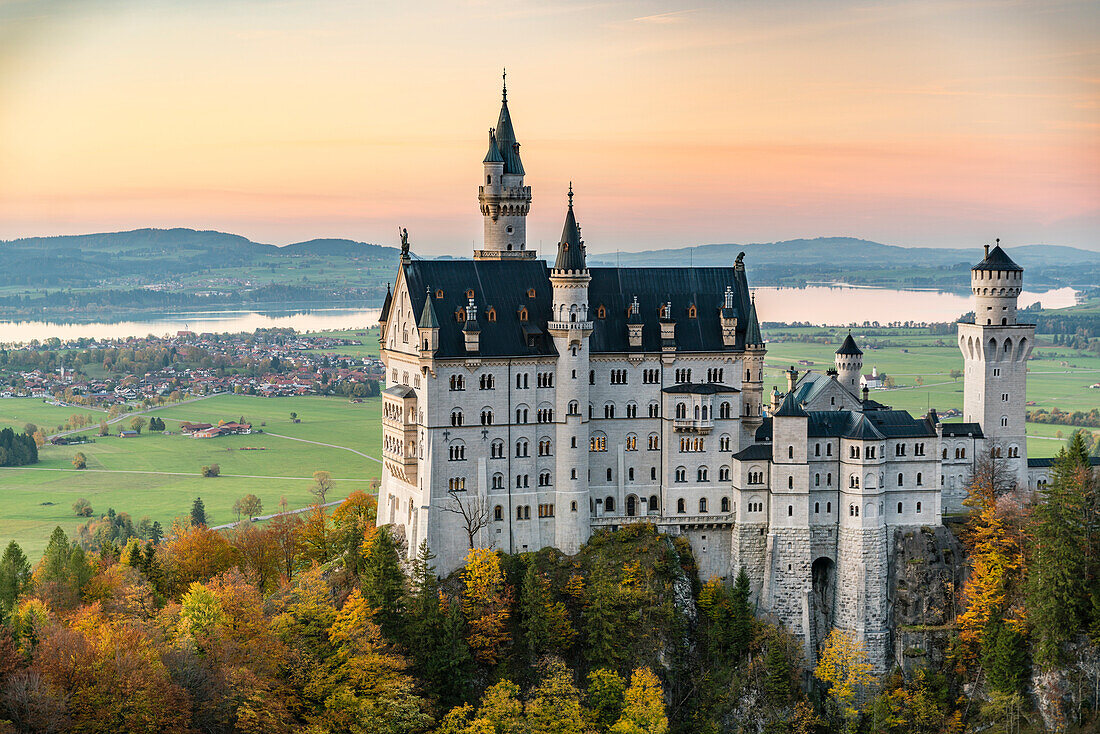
866	392
987	250
792	377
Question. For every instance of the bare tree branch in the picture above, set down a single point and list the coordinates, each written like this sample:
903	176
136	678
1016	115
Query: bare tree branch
475	513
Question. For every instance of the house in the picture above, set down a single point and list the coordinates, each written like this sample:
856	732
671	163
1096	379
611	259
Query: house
127	434
188	429
874	380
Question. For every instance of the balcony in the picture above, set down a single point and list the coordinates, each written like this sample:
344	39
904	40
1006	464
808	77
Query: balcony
692	425
569	325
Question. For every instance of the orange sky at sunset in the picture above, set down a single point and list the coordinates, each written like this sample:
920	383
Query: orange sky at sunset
914	123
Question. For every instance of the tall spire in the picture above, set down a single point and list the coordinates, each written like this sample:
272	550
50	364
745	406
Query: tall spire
504	86
752	333
506	136
570	247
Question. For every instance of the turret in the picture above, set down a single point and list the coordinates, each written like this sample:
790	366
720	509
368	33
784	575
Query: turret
503	199
849	365
996	283
383	317
752	386
428	327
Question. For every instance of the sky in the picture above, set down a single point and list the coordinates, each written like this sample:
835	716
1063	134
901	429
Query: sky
932	123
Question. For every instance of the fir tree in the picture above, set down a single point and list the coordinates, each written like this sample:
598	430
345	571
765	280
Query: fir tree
601	626
777	675
1004	659
545	623
742	616
198	513
384	583
15	575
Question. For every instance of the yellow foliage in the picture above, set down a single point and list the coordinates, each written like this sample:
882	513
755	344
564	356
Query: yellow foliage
844	665
485	602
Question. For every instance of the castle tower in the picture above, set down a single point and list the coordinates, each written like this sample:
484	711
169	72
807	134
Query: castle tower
849	365
504	199
995	350
752	384
571	328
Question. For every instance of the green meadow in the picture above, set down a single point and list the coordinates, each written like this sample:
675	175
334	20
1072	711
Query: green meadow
159	475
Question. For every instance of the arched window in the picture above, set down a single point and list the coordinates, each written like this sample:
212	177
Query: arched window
681	474
654	442
790	452
522	448
496	449
724	442
486	417
829	507
918	507
631	442
498	513
725	504
919	479
724	474
724	410
702	504
702	474
899	508
456	417
574	407
597	442
609	504
681	411
790	482
901	478
498	481
790	510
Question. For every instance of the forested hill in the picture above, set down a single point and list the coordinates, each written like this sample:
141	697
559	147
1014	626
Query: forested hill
149	256
862	262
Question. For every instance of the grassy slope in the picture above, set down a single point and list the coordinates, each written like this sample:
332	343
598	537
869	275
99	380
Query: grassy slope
162	497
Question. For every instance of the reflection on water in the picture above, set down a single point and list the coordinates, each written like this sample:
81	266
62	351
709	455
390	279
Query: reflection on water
844	304
196	321
833	305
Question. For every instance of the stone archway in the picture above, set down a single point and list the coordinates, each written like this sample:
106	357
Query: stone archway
823	573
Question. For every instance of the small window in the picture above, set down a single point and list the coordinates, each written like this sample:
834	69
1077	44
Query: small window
692	312
899	508
680	506
439	294
530	292
523	314
918	508
491	314
601	312
790	510
470	293
460	315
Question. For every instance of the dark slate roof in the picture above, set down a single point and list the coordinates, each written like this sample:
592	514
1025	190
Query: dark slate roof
506	140
570	247
997	259
1042	463
399	391
699	388
955	430
386	304
790	408
493	156
829	423
863	430
874	425
764	431
615	289
502	283
869	404
756	452
900	424
752	333
849	346
809	386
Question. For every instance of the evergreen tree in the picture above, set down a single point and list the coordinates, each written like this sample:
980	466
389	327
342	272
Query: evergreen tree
198	513
605	697
777	675
1057	590
15	575
545	622
742	616
1004	659
384	582
601	626
62	573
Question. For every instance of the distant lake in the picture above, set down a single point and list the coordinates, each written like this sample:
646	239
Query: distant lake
817	304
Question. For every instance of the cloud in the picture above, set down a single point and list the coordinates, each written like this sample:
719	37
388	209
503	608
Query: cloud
675	16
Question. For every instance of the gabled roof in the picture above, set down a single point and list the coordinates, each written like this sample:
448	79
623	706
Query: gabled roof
849	346
399	391
863	430
997	259
963	430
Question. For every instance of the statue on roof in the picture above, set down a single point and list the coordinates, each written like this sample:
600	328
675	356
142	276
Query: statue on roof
404	233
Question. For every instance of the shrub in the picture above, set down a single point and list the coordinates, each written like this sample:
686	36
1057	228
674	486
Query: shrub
82	508
211	471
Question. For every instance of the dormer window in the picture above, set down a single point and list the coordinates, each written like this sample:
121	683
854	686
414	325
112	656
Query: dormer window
470	293
530	292
460	315
523	314
601	312
491	314
439	294
691	311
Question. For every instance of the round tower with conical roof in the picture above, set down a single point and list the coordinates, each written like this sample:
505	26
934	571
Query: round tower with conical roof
503	198
849	364
570	328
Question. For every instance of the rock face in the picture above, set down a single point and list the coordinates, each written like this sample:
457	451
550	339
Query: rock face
926	568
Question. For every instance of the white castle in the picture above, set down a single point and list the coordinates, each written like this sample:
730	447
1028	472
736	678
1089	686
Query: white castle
527	405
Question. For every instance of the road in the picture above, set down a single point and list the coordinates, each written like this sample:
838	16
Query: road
300	510
330	445
164	473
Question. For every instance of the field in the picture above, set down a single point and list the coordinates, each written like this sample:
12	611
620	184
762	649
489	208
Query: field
158	475
1060	378
367	346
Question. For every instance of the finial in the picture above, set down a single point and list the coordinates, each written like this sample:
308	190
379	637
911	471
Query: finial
504	94
570	194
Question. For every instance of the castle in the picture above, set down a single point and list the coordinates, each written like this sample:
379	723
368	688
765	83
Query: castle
529	404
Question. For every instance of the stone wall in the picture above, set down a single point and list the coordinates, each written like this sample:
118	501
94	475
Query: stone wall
861	590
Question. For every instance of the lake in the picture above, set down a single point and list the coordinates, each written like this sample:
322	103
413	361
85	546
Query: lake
822	305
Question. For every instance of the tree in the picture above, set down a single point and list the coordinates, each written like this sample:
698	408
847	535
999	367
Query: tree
39	438
30	429
293	416
211	471
546	625
1004	658
383	582
15	576
1056	589
322	483
250	506
742	616
137	423
843	665
955	374
80	461
62	573
605	697
103	429
918	380
474	513
82	508
486	601
198	513
554	706
643	706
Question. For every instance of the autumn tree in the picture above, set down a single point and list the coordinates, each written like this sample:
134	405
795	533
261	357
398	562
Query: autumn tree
62	573
322	484
486	602
383	582
315	536
82	507
15	576
250	506
604	695
354	519
80	461
843	665
193	554
137	423
643	706
554	705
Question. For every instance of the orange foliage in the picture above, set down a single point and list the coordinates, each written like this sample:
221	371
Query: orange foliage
486	602
191	554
